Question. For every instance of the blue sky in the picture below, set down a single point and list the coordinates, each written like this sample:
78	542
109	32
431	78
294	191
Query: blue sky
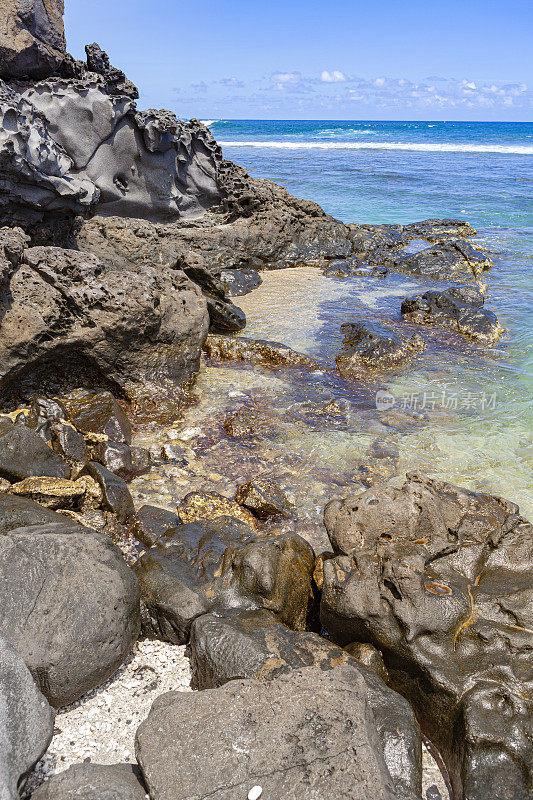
301	59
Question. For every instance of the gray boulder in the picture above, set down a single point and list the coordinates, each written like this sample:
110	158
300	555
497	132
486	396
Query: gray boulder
93	782
32	38
26	721
253	644
71	606
304	735
20	512
69	319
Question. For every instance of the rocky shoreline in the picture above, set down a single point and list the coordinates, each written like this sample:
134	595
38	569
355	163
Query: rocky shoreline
227	645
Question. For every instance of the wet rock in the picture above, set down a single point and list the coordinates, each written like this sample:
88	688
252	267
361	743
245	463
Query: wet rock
150	523
253	644
225	316
42	414
4	485
99	413
451	310
116	495
240	281
174	452
198	506
24	454
71	606
264	498
116	457
247	423
178	573
435	230
435	576
32	38
370	346
455	260
255	351
94	782
68	442
70	320
303	735
52	493
21	512
26	722
370	657
221	564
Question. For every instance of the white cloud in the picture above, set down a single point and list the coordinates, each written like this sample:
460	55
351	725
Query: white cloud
335	76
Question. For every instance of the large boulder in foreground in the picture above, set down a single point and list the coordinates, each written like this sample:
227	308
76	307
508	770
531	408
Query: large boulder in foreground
26	721
71	320
253	644
32	38
439	579
71	606
93	782
304	735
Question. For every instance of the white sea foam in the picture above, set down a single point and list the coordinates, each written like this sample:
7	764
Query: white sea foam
445	147
209	122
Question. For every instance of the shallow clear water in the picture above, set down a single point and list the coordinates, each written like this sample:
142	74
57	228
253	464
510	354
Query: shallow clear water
462	412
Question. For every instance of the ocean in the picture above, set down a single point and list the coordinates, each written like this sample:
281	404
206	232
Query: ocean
463	412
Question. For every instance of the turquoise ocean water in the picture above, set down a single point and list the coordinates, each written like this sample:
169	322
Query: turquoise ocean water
375	172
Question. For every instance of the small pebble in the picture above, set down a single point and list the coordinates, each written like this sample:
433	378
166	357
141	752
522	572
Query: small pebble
255	793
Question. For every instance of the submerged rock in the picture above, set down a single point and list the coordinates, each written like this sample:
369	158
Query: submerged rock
455	260
199	506
304	735
70	604
255	351
26	722
94	782
437	577
454	310
369	346
264	497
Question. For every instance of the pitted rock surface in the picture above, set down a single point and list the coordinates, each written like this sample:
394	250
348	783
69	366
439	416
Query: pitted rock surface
439	579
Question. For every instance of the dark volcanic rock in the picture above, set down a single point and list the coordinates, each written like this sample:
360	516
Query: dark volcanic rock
304	735
93	782
26	722
13	242
253	644
71	606
150	523
24	453
116	82
32	38
68	319
20	512
450	309
68	442
99	413
116	457
255	351
449	260
435	230
369	346
438	578
240	280
370	657
116	495
264	497
196	568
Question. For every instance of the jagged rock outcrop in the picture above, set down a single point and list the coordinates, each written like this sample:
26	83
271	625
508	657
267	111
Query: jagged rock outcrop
64	314
439	579
32	38
459	307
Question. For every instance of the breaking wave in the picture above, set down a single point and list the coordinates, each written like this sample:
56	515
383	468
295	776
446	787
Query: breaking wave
448	147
